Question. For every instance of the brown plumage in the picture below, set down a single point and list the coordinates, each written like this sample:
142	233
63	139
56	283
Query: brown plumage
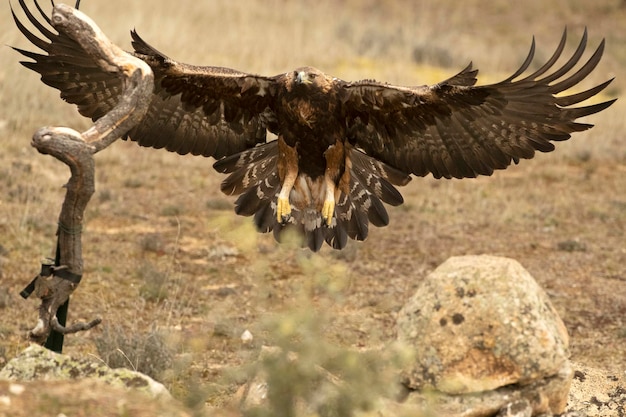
341	147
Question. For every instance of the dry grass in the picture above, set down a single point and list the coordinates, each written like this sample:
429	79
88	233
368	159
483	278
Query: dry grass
163	248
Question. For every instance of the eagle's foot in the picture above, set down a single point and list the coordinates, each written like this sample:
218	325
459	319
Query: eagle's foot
328	209
283	210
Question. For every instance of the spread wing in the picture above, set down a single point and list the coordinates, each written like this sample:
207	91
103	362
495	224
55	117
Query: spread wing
209	111
456	129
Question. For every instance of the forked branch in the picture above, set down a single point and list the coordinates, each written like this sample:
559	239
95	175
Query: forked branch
56	282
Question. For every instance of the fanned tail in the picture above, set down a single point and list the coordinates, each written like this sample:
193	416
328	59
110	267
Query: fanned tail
254	177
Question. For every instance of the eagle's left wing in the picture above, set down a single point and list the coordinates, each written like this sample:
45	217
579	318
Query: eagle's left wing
455	129
209	111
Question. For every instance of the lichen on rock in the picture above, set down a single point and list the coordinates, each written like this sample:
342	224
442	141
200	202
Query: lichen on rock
481	327
39	363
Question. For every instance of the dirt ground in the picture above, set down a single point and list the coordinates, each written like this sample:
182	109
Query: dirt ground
163	250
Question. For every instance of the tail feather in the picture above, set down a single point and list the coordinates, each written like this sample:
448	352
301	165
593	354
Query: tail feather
254	175
248	167
253	199
378	177
336	237
313	238
307	223
314	230
265	217
351	218
377	214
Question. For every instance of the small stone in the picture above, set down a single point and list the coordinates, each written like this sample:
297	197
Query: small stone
571	246
246	336
222	252
225	291
16	389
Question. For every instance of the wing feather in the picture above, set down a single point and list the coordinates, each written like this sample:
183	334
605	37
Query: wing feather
209	111
455	129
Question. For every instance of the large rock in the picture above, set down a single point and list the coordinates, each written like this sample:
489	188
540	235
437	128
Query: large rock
81	398
38	363
483	332
39	382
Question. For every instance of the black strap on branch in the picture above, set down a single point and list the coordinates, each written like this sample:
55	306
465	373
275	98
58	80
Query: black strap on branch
67	275
52	267
47	269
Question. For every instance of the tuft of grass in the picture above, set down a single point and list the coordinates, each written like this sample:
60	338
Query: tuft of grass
154	283
571	245
219	204
152	242
425	53
105	195
145	352
171	210
133	183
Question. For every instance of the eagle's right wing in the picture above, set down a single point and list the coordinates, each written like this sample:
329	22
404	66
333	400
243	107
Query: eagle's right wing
209	111
455	129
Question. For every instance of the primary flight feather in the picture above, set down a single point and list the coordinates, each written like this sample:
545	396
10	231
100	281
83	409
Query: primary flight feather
341	147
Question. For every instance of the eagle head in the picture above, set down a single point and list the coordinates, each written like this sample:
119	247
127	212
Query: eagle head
303	77
310	77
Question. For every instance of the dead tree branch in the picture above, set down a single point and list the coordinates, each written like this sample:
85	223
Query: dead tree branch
56	282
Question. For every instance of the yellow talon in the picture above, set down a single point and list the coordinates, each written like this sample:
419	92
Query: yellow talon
283	210
327	211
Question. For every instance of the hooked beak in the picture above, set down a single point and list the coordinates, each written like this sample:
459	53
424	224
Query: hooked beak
303	78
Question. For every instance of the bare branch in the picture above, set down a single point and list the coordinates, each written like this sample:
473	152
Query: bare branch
136	74
76	150
74	328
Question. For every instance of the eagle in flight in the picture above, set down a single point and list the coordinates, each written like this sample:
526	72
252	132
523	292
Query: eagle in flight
338	148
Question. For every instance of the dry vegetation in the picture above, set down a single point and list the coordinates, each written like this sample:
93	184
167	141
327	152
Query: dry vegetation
167	261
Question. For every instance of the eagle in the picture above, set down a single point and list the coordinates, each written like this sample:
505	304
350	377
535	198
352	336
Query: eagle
307	151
